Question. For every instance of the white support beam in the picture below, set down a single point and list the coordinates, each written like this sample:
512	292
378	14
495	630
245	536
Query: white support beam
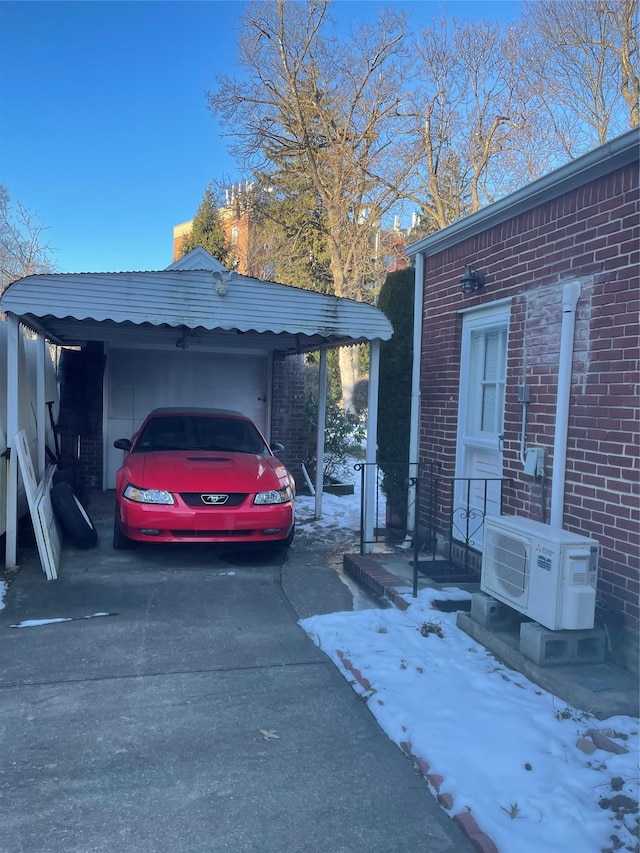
41	406
414	423
11	540
322	420
370	469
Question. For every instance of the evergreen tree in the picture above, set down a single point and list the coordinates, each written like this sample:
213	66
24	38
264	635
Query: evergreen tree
394	406
207	229
292	231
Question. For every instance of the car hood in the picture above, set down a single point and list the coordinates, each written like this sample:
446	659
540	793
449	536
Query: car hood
193	471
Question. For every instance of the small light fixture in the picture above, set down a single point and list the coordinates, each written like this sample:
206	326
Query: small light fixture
472	280
222	279
221	282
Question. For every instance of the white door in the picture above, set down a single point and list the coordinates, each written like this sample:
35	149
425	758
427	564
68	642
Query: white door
141	380
480	423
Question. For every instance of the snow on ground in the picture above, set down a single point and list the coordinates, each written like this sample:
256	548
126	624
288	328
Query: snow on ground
511	754
506	749
515	757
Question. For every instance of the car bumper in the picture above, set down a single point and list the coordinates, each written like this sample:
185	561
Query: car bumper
153	523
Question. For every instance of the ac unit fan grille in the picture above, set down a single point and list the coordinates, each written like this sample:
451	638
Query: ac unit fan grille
508	558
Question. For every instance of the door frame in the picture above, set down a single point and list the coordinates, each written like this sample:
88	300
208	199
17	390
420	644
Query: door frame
494	315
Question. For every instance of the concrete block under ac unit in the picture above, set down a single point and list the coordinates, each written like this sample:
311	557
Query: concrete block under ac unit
492	614
555	648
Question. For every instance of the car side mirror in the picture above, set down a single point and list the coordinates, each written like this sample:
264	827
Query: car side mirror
276	448
122	444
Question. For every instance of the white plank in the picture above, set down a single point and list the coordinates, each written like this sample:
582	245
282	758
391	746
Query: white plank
45	526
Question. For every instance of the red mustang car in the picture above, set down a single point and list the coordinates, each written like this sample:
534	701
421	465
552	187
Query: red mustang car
201	475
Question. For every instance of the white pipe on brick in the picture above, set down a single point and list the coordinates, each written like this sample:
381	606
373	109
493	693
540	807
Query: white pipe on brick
414	429
570	296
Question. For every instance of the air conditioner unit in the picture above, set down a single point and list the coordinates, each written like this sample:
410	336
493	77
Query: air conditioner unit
544	572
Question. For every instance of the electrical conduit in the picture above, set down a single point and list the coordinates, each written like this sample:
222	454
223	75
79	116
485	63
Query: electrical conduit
570	296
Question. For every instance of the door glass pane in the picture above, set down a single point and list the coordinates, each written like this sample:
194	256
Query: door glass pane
488	420
491	352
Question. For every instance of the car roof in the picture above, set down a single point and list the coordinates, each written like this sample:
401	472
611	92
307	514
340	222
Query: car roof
188	410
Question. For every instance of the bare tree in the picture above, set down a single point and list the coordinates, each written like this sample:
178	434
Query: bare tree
583	58
325	111
22	249
469	113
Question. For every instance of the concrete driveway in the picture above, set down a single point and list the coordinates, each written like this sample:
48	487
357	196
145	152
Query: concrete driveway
141	730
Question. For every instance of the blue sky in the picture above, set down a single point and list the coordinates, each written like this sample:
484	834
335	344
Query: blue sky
104	127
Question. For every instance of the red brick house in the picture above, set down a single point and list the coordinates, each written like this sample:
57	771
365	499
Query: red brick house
239	223
561	252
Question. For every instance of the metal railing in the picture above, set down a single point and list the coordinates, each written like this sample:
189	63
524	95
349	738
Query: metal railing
448	516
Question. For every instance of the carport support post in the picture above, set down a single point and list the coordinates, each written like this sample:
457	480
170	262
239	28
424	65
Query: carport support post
322	419
11	540
41	406
370	452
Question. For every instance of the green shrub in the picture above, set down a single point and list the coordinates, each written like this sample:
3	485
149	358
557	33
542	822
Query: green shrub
344	431
394	402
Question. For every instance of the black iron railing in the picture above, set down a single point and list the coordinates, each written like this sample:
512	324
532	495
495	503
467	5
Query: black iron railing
448	517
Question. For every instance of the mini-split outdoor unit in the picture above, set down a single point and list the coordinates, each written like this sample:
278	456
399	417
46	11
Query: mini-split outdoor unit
544	572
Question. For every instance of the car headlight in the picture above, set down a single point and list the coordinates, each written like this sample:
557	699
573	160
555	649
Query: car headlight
148	496
274	496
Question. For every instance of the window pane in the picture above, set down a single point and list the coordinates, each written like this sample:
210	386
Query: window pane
488	417
491	353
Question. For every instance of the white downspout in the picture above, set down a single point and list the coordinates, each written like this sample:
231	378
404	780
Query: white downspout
570	296
414	425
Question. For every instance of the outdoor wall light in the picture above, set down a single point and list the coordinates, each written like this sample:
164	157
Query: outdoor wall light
471	281
222	279
220	282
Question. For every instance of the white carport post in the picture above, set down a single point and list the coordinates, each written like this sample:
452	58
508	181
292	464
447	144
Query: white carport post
322	420
41	406
369	497
11	540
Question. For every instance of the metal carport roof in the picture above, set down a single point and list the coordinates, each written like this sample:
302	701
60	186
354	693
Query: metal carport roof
75	307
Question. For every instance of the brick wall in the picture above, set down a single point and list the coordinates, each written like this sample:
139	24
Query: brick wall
287	414
591	235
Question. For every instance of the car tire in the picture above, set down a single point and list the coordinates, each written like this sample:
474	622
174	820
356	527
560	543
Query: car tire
73	516
71	474
120	541
286	543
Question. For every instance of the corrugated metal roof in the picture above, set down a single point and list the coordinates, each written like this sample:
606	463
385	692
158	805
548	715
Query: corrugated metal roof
193	299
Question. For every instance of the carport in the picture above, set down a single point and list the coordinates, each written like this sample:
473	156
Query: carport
192	332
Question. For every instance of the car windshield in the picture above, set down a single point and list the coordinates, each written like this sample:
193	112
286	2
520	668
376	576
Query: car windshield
200	432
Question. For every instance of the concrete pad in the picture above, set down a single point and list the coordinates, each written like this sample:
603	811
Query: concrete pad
141	731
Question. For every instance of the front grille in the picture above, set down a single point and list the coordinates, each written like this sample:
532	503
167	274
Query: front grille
210	534
195	499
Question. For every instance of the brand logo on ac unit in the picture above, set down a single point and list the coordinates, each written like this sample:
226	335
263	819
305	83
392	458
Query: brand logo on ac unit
544	557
